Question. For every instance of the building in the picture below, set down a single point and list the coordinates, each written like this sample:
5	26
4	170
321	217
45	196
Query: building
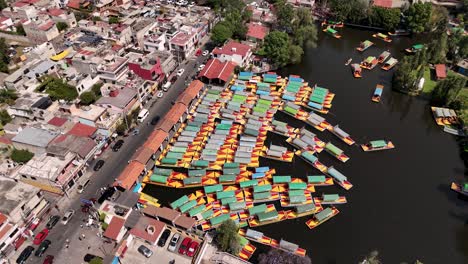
94	116
155	41
148	230
302	3
217	71
440	71
463	67
33	139
183	43
115	216
60	15
390	3
83	82
112	69
41	31
234	51
256	32
31	106
152	67
118	100
144	89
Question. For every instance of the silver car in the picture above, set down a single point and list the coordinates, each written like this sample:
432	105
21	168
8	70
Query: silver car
67	216
173	244
145	251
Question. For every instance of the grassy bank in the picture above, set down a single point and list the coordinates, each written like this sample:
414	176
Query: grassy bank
429	84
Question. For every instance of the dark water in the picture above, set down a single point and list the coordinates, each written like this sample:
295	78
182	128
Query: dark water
401	203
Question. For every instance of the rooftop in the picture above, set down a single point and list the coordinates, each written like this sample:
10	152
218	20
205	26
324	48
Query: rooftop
215	69
57	121
231	48
257	31
82	130
13	194
182	38
90	112
161	212
123	98
63	144
148	229
114	227
46	167
35	137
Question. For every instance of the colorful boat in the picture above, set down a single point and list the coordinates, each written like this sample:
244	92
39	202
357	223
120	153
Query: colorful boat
399	32
337	131
336	152
460	188
312	160
369	63
331	23
383	56
377	145
349	61
377	93
382	37
389	64
330	199
364	45
356	70
415	48
321	217
332	32
339	178
444	116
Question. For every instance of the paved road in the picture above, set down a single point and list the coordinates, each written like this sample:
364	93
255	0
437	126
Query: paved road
115	163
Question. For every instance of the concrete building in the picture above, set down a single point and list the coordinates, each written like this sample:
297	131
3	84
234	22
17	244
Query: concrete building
155	41
60	15
118	100
33	139
40	31
183	43
256	32
151	67
31	106
234	51
112	69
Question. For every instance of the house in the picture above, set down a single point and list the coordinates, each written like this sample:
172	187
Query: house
112	68
33	139
441	71
140	28
120	101
25	77
12	129
256	32
83	82
148	229
152	67
390	3
463	67
40	31
31	106
61	15
83	147
183	43
82	130
143	88
155	41
170	216
234	51
95	116
115	216
217	71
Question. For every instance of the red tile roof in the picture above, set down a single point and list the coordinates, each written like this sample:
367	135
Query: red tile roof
129	175
215	69
4	230
116	47
257	31
57	121
384	3
190	92
441	71
141	229
5	140
142	155
74	4
55	12
3	218
231	48
114	227
48	25
82	130
155	140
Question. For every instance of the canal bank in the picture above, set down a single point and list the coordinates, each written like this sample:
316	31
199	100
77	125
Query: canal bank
401	203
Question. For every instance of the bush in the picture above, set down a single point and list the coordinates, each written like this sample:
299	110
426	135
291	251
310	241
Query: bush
87	98
114	20
21	155
62	26
227	237
4	117
104	226
58	89
96	260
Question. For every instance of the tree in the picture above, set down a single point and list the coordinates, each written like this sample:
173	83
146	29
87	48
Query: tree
285	15
437	48
418	17
61	26
463	51
8	96
96	18
97	89
227	237
121	128
87	98
446	91
236	23
96	260
295	54
388	18
409	72
21	155
274	256
3	4
20	30
439	20
306	36
4	117
276	47
58	89
358	11
114	20
221	32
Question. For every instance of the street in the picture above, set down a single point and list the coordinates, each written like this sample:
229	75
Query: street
115	162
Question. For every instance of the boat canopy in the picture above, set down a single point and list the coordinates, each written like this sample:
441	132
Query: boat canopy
192	180
253	234
381	35
288	246
340	132
258	175
370	59
196	173
237	206
196	210
227	178
261	195
366	43
228	200
297	185
384	54
356	67
309	156
249	183
262	169
158	178
333	149
295	193
418	46
324	214
330	197
213	188
281	179
177	203
305	208
265	216
245	76
465	187
391	61
225	194
316	178
231	165
187	206
297	199
169	161
378	143
165	172
331	30
219	219
200	163
207	214
262	188
233	171
336	174
378	91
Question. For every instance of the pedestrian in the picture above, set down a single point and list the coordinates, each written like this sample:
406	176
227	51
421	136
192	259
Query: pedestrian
66	245
83	235
81	225
89	247
79	238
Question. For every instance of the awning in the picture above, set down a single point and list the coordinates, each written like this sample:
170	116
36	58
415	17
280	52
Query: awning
60	56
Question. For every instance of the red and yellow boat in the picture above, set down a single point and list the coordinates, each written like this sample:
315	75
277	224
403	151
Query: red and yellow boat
382	37
321	217
369	63
377	145
356	68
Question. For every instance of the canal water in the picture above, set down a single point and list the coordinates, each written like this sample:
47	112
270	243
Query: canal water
401	204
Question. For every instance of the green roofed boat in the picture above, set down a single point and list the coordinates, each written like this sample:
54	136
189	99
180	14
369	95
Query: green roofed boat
415	48
377	145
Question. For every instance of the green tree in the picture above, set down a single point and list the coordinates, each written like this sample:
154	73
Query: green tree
20	30
4	117
306	36
358	11
59	89
409	72
61	26
3	67
87	98
96	260
295	54
236	23
463	45
276	47
227	237
418	17
279	256
446	91
438	20
453	46
114	20
96	18
21	155
285	15
97	89
341	9
437	48
387	18
221	32
8	96
121	128
3	4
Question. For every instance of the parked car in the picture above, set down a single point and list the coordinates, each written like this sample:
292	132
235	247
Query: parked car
205	53
166	86
117	145
109	192
81	187
192	248
201	67
52	221
145	251
135	131
180	72
89	257
174	79
184	245
41	236
165	235
160	94
42	248
24	255
173	244
67	216
49	259
98	165
155	120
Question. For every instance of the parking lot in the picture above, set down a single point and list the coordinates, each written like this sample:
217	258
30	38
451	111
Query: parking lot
160	254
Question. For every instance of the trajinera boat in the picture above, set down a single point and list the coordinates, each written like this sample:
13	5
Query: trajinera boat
377	145
332	32
369	63
356	70
331	23
415	48
364	45
377	93
349	61
399	32
382	37
383	56
389	64
460	188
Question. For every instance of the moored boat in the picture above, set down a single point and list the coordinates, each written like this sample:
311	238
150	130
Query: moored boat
356	70
369	63
332	32
337	131
383	56
389	64
332	24
415	48
330	199
364	45
376	145
348	61
460	188
339	178
377	93
399	32
336	152
321	217
382	37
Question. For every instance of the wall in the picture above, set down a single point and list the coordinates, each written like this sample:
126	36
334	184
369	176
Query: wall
17	38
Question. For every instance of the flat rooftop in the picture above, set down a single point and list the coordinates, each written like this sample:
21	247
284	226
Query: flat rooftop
46	167
181	38
14	193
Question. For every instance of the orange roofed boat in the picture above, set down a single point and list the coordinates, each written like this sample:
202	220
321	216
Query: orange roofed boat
369	63
356	70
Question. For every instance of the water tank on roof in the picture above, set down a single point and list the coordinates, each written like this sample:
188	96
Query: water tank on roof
114	93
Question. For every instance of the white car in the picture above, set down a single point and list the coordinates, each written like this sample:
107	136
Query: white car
192	4
160	94
180	72
173	244
27	49
67	216
205	53
201	67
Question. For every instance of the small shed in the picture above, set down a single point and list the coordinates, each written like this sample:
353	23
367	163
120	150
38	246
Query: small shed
441	71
